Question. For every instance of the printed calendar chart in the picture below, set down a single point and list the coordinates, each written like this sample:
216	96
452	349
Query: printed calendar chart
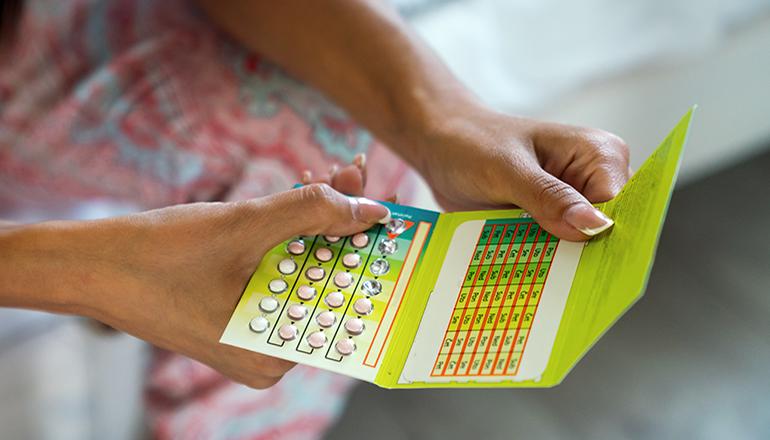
464	299
498	301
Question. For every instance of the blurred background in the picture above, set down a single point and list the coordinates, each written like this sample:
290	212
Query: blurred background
690	360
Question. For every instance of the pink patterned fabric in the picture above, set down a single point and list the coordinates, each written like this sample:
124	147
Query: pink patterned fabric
145	102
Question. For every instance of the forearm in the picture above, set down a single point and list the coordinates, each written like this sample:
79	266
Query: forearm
54	266
361	54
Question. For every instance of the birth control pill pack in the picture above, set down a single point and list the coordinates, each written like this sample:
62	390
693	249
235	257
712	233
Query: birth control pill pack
464	299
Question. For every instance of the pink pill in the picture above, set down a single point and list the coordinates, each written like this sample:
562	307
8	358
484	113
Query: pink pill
354	326
287	332
343	279
297	312
351	260
315	273
331	238
296	247
363	306
345	347
306	293
324	254
326	319
360	240
316	339
334	299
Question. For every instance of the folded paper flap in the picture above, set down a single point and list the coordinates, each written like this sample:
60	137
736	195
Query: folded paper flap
614	268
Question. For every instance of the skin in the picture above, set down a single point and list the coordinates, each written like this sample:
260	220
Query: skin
173	276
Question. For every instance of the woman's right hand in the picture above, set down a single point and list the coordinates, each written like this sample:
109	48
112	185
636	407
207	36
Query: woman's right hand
173	276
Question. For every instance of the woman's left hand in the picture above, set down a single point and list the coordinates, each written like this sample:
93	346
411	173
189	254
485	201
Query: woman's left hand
481	159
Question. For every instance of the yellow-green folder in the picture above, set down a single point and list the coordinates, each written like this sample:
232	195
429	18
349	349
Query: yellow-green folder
474	299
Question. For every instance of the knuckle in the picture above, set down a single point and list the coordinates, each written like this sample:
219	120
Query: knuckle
609	148
319	195
550	192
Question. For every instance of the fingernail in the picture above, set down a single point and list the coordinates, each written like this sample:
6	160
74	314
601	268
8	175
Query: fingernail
587	219
369	211
307	176
360	161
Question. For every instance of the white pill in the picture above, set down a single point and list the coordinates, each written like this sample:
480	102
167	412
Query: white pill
334	299
354	326
296	247
372	287
316	339
331	238
326	319
268	304
396	226
259	324
360	240
387	246
297	312
287	266
278	285
345	347
287	332
363	306
343	279
324	254
315	273
351	260
379	267
306	293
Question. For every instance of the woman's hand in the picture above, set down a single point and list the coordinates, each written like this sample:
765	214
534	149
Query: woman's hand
173	276
478	159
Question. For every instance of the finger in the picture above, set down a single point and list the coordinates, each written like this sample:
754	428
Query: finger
318	209
558	207
349	180
360	162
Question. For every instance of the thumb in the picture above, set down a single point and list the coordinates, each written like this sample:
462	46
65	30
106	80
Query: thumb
319	209
560	208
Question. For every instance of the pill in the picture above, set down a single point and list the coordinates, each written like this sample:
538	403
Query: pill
379	267
287	266
296	247
334	299
372	287
259	324
354	326
316	339
387	246
331	238
297	312
343	279
326	319
306	293
351	260
268	304
324	254
363	306
396	226
287	332
315	273
345	347
277	285
360	240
